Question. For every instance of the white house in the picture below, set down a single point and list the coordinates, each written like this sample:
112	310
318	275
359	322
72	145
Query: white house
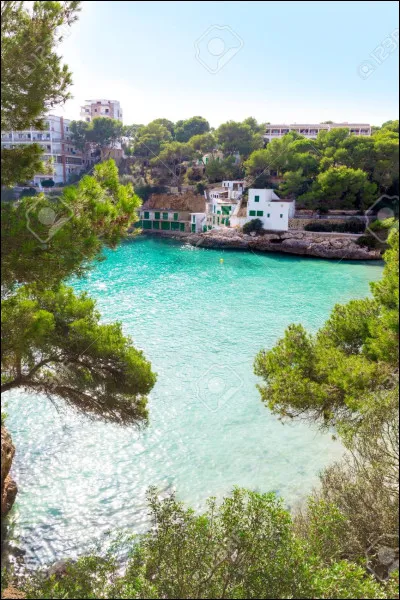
197	222
270	209
221	204
235	188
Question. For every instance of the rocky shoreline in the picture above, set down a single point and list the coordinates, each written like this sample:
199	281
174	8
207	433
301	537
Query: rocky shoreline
340	246
8	485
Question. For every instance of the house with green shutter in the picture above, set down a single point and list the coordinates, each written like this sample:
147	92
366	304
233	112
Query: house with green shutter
164	220
222	203
183	213
265	205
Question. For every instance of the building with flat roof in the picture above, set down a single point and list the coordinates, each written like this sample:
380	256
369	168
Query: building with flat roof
59	154
101	108
311	131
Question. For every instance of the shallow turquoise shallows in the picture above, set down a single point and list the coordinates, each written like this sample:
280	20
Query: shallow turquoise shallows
200	320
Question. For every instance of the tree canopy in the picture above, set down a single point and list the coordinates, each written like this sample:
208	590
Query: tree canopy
100	133
184	130
33	78
53	341
348	367
337	170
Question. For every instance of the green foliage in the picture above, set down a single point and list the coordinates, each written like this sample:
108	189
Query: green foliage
92	214
101	132
349	226
29	192
237	137
33	77
149	139
368	241
171	157
200	188
332	376
164	122
294	184
243	548
19	165
342	187
203	143
104	132
79	134
185	130
253	225
53	343
379	225
391	125
214	170
337	170
47	183
145	191
356	509
32	74
217	170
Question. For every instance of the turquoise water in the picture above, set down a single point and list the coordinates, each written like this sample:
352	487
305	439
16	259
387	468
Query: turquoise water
200	322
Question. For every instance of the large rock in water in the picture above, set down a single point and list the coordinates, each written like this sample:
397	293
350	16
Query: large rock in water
8	485
304	243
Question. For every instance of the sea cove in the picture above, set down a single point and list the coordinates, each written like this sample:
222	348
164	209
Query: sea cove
200	316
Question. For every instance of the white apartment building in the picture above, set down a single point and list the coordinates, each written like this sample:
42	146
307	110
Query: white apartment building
101	108
311	131
59	154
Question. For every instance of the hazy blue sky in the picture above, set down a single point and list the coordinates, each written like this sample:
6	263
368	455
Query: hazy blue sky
276	61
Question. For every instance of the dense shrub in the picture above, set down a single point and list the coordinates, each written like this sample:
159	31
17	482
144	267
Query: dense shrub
357	504
26	192
145	191
200	188
46	183
253	225
380	225
369	241
350	226
243	548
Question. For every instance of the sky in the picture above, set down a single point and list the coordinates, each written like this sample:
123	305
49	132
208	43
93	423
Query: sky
280	62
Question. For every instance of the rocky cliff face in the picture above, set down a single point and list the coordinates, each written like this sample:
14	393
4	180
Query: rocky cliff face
321	245
8	485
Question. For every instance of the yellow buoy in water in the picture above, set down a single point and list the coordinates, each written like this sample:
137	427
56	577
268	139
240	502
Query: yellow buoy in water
221	260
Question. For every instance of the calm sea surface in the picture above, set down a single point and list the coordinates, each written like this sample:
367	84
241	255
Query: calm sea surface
201	322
